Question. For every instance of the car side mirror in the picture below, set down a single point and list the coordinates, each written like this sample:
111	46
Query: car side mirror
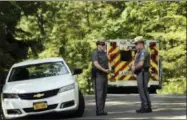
77	71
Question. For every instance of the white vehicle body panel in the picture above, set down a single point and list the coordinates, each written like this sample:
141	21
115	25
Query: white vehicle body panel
39	85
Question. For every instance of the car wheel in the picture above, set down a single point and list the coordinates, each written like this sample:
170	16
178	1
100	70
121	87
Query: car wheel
80	111
2	115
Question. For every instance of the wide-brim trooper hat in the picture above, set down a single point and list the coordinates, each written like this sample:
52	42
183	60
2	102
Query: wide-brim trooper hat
98	42
139	39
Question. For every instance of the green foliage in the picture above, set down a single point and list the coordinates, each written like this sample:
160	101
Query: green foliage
174	86
85	81
68	29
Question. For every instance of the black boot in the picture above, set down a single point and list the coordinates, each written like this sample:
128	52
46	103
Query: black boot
149	109
144	110
139	110
101	113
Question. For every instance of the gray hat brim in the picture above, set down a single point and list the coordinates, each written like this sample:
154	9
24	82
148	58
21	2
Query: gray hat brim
141	41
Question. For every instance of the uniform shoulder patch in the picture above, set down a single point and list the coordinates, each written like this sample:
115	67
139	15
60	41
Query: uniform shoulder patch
142	52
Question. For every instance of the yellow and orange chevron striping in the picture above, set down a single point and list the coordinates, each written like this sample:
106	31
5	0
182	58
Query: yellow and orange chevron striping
153	49
118	65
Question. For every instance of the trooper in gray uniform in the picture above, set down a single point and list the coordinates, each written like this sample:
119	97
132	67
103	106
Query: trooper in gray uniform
100	69
141	69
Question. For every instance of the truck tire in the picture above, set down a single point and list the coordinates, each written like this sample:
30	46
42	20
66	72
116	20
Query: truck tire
80	111
153	89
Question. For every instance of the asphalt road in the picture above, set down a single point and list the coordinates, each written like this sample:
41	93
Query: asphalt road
123	106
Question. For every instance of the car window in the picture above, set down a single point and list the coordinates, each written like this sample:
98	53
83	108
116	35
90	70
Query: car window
38	71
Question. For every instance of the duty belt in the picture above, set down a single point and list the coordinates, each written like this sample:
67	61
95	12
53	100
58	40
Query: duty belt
145	69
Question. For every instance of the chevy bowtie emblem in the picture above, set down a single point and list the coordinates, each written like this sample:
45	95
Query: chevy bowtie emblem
38	95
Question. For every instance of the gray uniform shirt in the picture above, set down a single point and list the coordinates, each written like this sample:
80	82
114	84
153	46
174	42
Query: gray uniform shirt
143	55
101	57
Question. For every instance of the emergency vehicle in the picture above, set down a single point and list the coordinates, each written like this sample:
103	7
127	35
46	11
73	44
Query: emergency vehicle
121	53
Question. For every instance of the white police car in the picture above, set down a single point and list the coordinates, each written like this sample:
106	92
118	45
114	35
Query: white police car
41	86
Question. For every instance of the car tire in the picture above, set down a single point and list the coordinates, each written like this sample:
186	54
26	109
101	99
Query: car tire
81	107
2	117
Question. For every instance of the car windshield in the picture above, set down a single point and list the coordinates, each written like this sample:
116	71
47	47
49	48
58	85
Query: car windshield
38	71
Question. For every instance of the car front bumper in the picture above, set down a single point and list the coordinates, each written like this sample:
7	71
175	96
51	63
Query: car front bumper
65	101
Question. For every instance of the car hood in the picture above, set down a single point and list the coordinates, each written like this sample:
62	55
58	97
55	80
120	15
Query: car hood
38	85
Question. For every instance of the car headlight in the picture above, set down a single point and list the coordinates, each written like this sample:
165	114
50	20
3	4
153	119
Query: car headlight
10	96
66	88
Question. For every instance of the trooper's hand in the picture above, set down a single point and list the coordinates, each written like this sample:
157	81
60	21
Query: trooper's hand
133	68
108	71
130	66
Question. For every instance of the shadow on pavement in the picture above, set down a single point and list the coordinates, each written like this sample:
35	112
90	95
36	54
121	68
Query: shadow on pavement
53	116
